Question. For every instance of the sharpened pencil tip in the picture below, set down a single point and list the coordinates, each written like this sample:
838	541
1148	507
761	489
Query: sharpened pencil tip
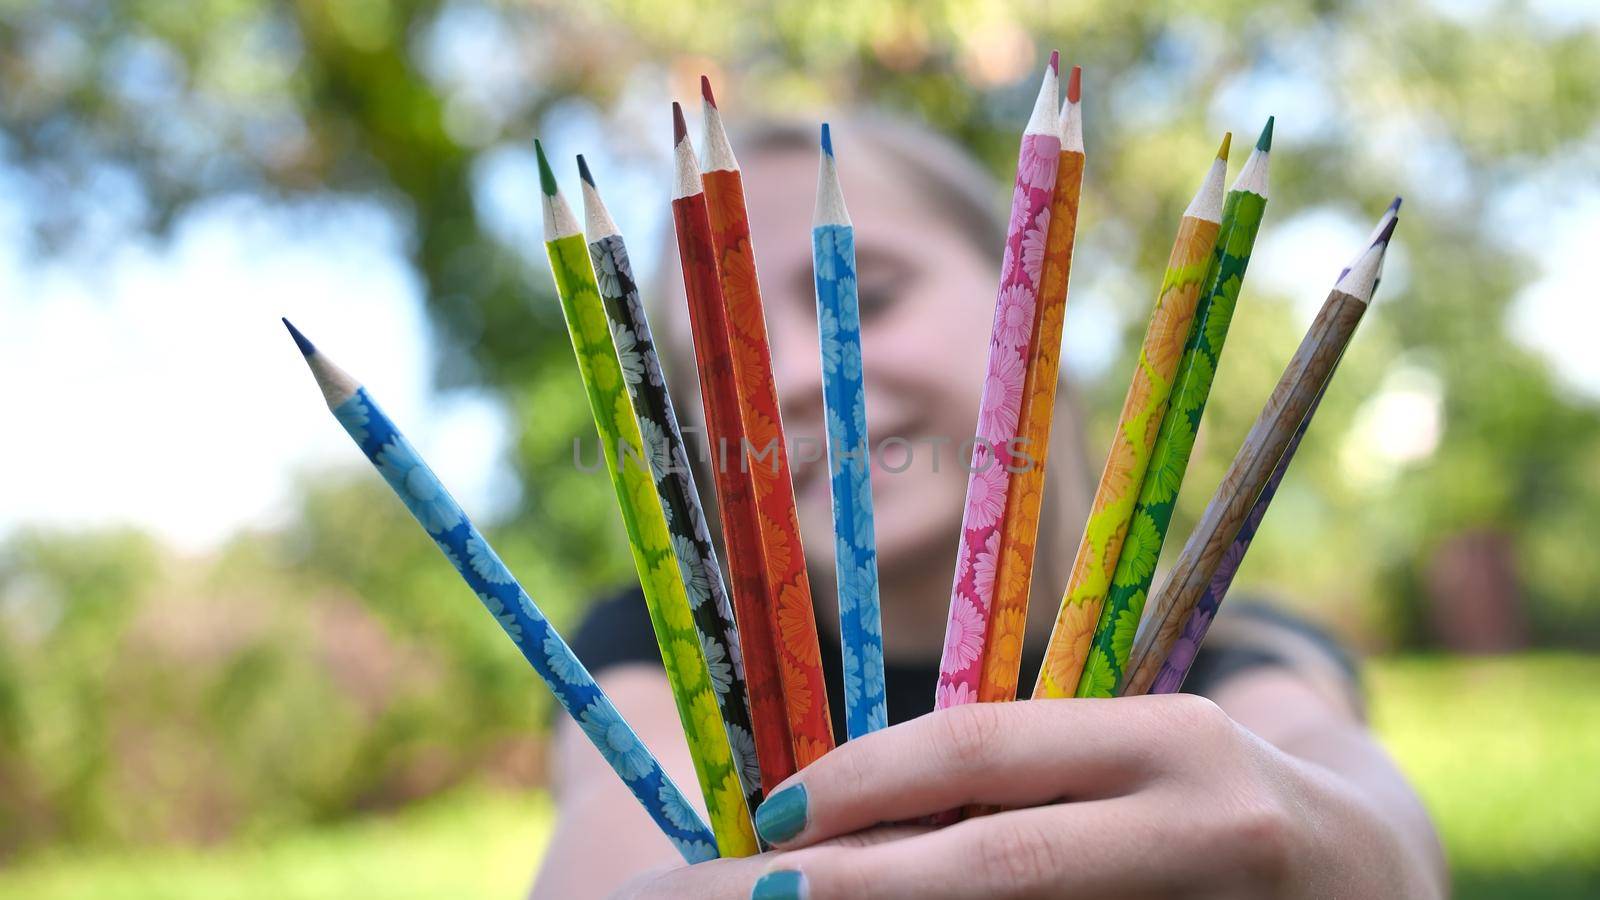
1264	143
547	178
583	171
827	140
306	347
1388	231
680	130
705	91
1075	85
1394	205
1055	61
1227	143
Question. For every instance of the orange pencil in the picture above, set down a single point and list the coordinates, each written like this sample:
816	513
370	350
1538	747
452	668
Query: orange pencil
805	692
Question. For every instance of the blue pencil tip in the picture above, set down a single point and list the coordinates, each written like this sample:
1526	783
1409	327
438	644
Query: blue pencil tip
827	140
1395	206
306	347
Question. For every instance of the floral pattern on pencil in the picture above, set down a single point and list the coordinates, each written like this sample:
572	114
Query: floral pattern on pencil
1130	583
849	466
1010	346
754	600
521	620
1013	576
1225	514
767	461
649	541
1126	464
675	487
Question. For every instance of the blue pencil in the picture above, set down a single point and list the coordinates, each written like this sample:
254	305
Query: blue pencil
833	255
439	515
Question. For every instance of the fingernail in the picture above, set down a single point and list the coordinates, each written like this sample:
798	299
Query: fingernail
783	884
783	815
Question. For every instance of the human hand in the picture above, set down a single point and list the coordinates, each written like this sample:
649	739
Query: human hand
1140	796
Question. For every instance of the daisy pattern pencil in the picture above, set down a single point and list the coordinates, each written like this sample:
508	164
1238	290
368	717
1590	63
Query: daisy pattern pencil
1181	657
513	610
805	692
644	521
1019	530
669	464
855	547
1225	514
754	604
993	450
1147	531
1135	436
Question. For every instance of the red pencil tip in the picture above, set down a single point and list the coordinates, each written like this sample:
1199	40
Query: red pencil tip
680	131
705	91
1075	84
1055	61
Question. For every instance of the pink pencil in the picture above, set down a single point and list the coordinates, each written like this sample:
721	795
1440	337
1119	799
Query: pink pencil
993	455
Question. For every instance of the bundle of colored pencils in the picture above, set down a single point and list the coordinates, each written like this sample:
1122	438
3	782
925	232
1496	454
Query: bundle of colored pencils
742	655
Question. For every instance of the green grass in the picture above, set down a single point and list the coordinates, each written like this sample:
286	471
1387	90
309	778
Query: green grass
1504	752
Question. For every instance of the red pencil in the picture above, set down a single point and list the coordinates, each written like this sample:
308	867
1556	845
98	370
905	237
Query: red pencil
799	654
753	601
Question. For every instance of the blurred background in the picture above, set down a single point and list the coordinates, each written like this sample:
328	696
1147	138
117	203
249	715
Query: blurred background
231	666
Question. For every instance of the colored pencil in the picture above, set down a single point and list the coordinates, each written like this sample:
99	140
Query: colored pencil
754	602
993	458
1019	530
805	692
1263	447
1134	438
644	521
675	487
855	547
500	593
1242	212
1176	667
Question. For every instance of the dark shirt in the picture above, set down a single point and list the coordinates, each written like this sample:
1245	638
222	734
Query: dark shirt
617	632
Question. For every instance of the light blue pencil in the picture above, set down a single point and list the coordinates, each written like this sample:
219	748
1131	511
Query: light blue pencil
439	515
833	256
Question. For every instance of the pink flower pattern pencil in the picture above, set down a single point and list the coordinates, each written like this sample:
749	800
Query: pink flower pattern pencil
994	450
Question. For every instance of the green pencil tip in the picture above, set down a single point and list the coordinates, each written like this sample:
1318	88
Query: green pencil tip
1264	143
547	178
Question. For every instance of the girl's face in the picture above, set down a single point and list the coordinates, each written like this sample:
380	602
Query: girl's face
927	296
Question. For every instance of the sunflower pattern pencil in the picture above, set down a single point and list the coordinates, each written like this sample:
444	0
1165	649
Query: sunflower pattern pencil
1181	657
1131	443
805	692
1019	529
1119	619
990	467
644	521
753	601
500	593
669	464
1263	447
855	548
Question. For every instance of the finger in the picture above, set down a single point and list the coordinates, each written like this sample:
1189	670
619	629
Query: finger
1104	848
1002	754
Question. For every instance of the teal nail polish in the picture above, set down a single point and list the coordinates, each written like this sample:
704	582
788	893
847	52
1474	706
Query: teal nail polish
784	884
783	815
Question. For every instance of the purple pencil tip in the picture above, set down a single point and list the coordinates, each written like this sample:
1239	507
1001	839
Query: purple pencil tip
1394	206
306	347
1388	231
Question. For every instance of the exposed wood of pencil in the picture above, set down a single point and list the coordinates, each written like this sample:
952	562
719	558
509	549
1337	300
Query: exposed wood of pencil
754	601
805	690
1224	516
